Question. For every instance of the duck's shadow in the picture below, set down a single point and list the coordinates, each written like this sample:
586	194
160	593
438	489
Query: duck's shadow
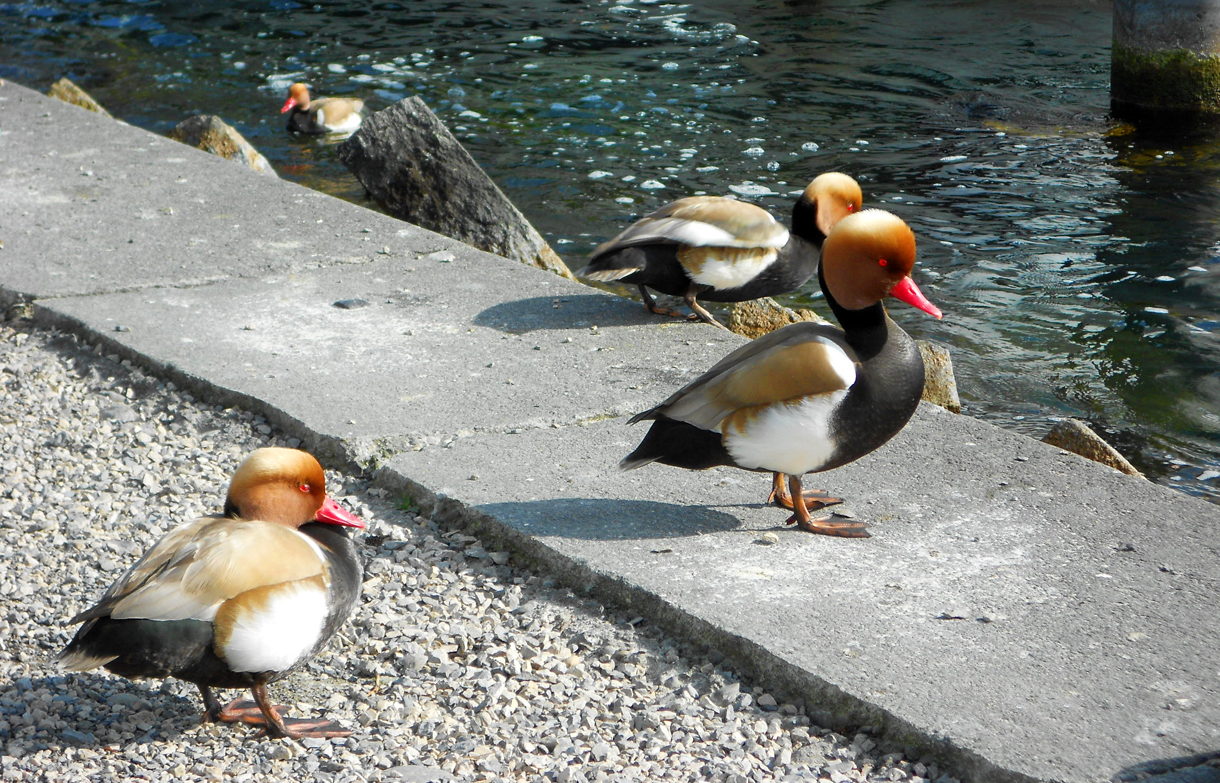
607	519
569	311
1180	769
109	701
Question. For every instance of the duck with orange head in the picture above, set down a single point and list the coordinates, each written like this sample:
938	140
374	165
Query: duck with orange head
808	397
237	600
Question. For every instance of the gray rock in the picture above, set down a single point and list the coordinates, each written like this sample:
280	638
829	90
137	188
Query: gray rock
417	171
759	316
1077	437
939	383
212	134
416	774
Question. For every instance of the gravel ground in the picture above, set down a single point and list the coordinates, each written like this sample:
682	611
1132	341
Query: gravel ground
457	666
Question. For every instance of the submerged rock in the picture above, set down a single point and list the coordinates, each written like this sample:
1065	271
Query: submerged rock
209	133
1077	437
67	91
417	171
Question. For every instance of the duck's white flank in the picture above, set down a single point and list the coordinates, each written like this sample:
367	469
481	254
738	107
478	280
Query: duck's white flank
277	634
789	437
349	123
729	267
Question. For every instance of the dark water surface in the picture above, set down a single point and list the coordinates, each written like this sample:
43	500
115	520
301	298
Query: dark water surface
1077	259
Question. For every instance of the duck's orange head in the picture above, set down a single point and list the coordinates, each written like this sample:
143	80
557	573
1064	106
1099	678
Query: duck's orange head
832	197
286	487
869	255
298	95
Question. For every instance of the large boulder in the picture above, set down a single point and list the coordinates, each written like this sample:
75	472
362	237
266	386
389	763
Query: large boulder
212	134
417	171
67	91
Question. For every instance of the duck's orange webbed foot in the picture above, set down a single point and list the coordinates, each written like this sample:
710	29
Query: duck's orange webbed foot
814	498
848	528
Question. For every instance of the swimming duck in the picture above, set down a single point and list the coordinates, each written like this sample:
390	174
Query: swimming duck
321	115
808	397
721	250
237	600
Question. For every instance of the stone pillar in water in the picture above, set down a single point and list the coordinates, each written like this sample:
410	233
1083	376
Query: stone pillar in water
1166	57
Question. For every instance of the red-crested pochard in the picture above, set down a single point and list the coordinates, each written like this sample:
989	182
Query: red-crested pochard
808	397
321	115
235	601
721	250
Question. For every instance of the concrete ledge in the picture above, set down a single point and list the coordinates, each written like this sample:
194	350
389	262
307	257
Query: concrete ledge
1024	613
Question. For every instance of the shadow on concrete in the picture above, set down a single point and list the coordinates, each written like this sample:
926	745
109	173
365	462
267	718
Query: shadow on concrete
581	311
1181	769
606	519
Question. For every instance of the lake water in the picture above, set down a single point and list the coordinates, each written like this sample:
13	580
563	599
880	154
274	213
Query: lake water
1077	259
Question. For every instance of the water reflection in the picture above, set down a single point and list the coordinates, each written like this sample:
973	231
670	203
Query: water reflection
1078	270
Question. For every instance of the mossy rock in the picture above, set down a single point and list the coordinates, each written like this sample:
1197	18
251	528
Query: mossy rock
67	91
1176	80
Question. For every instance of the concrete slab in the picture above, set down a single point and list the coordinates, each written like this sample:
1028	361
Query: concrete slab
1032	615
1039	616
93	205
418	354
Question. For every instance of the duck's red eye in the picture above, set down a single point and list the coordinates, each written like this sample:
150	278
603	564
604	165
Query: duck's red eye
304	487
851	207
883	262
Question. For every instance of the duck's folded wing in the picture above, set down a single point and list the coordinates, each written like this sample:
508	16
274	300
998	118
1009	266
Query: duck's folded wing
703	221
787	364
192	570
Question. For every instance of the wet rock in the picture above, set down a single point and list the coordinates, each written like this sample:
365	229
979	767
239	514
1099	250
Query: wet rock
757	317
939	383
67	91
209	133
417	171
1075	436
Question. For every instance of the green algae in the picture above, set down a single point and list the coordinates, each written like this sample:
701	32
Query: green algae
1171	80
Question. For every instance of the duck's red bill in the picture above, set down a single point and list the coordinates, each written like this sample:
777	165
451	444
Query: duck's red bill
288	104
907	291
334	514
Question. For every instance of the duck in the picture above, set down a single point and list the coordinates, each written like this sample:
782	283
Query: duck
321	115
808	397
722	250
235	600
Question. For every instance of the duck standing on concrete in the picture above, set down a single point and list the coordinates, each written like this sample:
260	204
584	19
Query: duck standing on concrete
235	601
321	115
722	250
808	397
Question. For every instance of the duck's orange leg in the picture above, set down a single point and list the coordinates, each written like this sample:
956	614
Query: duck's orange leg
700	312
236	711
656	309
823	525
278	727
814	498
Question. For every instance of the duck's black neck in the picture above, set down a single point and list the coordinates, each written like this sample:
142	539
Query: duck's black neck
805	222
865	328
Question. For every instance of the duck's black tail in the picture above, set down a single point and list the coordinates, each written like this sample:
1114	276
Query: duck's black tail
677	443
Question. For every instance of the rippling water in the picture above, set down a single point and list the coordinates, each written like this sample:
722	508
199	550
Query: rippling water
1077	259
